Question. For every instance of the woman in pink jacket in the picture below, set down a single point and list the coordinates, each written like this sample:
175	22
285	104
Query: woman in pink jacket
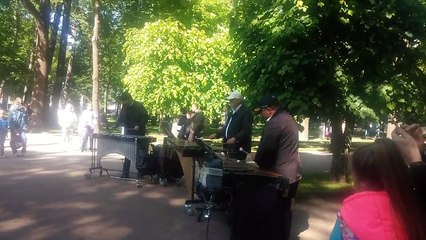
385	206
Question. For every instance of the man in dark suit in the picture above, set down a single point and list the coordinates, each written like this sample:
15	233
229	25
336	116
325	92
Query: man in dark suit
133	118
279	152
237	130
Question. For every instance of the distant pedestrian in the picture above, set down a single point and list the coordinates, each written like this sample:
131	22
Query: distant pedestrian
67	119
3	132
86	125
18	121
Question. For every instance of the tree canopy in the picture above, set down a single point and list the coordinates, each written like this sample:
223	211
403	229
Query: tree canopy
328	58
16	43
171	65
339	61
334	60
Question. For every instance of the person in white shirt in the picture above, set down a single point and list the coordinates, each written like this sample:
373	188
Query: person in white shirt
86	124
67	120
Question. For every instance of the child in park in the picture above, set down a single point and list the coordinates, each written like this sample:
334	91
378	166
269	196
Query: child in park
385	205
3	132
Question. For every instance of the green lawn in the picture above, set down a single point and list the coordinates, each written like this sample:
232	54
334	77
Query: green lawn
318	185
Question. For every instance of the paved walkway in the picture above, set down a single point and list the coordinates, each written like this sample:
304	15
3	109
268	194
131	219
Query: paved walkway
44	195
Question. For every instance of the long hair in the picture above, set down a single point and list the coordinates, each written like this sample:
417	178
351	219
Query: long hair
380	166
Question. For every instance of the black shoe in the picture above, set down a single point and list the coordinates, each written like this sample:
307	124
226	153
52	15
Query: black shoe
163	182
155	179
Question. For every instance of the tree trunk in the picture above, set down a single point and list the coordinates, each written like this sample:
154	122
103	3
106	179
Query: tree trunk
95	59
68	77
61	68
40	76
337	147
54	33
39	94
349	128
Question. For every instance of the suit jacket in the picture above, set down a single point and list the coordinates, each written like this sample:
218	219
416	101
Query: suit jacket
133	115
240	127
279	146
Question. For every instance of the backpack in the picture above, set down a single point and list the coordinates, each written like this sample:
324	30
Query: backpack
18	118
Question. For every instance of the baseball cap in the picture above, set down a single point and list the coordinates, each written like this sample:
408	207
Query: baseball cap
267	101
234	95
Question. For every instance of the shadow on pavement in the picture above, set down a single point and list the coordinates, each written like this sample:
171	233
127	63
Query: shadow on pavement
299	223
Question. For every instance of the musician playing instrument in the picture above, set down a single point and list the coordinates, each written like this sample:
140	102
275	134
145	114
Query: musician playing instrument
279	152
133	117
237	130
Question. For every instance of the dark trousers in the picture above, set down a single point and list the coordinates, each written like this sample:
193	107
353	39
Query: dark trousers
138	164
15	136
127	162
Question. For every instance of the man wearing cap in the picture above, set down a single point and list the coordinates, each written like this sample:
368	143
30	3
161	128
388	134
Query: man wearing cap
237	130
278	152
133	118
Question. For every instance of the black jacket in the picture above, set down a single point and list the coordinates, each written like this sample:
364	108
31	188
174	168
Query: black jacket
133	115
240	127
279	146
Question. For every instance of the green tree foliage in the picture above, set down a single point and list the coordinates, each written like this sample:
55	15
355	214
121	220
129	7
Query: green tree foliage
339	60
136	13
211	15
82	24
322	57
170	66
16	43
112	56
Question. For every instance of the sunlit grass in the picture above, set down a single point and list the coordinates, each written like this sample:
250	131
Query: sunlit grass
319	185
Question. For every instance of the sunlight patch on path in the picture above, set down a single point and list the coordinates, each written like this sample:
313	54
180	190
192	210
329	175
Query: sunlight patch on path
15	223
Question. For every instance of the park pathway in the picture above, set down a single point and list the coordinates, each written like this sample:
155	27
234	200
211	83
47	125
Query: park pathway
44	195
